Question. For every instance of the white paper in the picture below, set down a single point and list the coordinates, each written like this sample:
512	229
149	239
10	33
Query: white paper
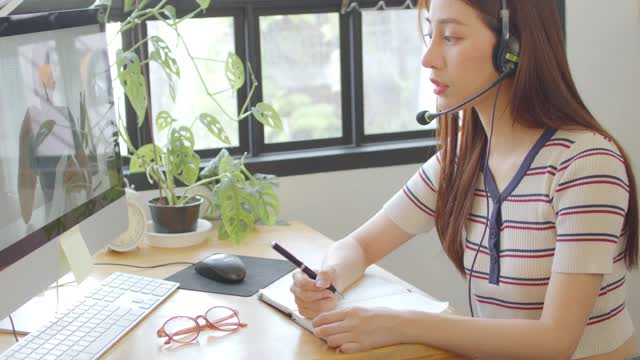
373	290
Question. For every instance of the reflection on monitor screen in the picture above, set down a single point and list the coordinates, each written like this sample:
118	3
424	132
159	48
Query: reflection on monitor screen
59	156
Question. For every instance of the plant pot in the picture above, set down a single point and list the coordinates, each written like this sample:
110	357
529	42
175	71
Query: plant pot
173	219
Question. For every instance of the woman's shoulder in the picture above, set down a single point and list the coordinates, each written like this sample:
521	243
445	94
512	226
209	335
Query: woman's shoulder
587	153
579	140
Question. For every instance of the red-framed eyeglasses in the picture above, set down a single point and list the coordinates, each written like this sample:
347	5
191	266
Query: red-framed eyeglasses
186	329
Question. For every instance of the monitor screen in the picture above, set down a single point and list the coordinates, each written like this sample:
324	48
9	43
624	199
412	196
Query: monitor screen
59	156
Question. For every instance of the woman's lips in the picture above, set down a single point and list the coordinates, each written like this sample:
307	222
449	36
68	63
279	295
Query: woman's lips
439	88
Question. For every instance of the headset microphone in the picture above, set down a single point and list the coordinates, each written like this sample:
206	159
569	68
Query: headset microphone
426	117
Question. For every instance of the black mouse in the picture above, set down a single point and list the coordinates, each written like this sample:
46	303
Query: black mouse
224	268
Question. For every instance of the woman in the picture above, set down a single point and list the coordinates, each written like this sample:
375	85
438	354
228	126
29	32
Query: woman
548	277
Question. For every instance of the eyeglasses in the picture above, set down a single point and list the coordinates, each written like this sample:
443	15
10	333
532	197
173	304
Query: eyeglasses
186	329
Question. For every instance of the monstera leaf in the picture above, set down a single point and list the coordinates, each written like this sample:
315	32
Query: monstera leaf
163	55
182	136
185	164
203	3
212	168
164	120
212	124
132	80
236	218
145	157
170	12
267	204
267	115
234	71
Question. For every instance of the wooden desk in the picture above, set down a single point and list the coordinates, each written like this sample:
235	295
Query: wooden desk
270	334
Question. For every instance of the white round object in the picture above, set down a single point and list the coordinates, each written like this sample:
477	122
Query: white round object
130	239
179	240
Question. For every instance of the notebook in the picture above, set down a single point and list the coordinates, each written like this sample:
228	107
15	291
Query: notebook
375	289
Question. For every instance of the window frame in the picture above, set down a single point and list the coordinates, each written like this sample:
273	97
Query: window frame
353	150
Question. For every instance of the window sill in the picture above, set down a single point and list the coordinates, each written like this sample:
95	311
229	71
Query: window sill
301	162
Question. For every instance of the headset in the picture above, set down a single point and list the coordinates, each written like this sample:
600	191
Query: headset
506	57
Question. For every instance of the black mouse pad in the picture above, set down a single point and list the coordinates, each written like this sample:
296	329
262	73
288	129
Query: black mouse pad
260	273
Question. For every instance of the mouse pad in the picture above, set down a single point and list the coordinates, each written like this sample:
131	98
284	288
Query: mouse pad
260	273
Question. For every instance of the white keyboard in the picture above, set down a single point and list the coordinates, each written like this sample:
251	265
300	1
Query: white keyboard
89	328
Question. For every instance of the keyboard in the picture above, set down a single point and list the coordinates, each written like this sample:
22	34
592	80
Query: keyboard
88	328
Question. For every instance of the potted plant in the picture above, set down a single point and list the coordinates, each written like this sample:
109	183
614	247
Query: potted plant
229	191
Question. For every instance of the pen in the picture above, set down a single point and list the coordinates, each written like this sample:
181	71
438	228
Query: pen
297	263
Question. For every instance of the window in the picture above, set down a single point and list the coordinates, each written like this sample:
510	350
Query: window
301	75
189	98
391	53
347	86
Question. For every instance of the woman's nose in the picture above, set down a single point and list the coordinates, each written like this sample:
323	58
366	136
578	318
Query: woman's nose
432	58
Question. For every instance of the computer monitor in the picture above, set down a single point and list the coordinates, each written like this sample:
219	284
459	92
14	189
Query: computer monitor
60	165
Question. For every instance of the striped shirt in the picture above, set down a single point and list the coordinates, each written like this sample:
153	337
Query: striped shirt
562	212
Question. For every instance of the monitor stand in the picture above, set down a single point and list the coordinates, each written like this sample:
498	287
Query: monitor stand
61	294
37	311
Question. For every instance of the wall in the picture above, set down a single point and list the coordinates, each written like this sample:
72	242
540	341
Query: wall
604	55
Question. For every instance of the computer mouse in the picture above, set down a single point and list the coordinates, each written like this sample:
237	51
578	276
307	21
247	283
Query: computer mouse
224	268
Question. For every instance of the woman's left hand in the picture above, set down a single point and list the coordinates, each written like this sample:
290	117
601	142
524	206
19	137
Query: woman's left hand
358	329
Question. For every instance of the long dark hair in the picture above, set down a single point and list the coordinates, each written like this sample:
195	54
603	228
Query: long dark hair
544	96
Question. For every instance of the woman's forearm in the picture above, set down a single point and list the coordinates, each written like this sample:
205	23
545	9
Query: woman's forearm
375	239
486	338
348	259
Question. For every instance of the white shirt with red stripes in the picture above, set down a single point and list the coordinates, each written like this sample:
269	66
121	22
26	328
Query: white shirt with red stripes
563	212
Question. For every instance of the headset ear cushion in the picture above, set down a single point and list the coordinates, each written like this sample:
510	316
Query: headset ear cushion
497	50
506	56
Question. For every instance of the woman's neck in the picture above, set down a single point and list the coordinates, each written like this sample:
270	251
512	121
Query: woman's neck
509	136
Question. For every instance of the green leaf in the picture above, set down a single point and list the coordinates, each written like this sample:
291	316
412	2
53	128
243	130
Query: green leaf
211	170
203	3
234	71
43	131
164	120
145	157
163	55
185	164
129	5
212	210
182	136
268	204
226	165
170	11
267	178
172	90
222	233
214	127
236	219
267	115
132	80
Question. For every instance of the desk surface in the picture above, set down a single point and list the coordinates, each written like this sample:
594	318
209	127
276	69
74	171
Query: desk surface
269	331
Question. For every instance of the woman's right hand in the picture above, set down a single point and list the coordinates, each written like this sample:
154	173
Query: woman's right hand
312	296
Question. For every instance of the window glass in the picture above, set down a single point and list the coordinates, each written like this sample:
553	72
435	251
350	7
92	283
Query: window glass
209	40
301	75
395	84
